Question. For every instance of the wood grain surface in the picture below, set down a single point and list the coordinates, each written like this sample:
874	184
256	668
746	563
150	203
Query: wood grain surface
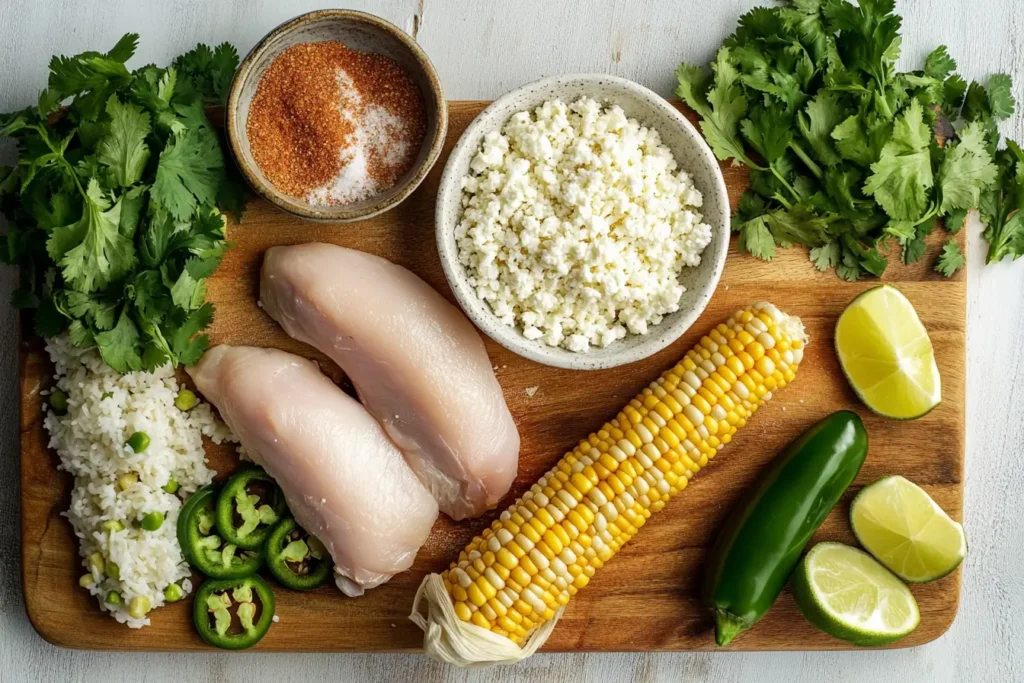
647	597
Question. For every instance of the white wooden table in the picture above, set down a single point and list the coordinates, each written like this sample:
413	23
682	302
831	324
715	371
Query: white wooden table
482	49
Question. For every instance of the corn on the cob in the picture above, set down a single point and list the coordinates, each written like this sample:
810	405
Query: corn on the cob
518	574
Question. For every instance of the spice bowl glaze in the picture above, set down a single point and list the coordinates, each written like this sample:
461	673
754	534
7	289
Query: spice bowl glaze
692	154
359	31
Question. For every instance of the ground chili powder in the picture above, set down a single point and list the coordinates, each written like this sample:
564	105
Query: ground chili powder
316	103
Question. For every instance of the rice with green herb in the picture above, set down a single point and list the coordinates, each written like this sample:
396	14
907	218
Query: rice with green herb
128	568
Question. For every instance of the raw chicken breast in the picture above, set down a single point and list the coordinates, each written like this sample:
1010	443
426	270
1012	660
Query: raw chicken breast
344	480
418	364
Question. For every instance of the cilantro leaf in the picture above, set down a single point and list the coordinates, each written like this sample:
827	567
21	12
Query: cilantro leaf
97	312
956	219
124	150
1000	99
804	18
125	48
92	252
722	105
756	239
860	139
953	90
89	72
798	226
821	117
768	132
902	230
868	37
939	64
967	169
825	256
188	292
190	173
184	342
903	174
914	249
118	347
211	71
951	259
1000	208
80	335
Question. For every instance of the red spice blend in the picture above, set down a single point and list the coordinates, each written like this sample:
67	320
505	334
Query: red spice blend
299	128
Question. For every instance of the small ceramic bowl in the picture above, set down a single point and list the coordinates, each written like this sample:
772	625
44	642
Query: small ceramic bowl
692	155
362	32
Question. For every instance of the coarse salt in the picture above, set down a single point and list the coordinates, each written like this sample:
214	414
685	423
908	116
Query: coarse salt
376	133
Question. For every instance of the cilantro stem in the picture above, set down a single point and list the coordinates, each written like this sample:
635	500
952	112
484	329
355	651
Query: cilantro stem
785	183
782	200
883	104
930	214
808	161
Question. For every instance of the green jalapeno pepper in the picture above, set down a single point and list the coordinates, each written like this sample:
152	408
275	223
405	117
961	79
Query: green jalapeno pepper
248	507
296	559
764	537
206	551
233	614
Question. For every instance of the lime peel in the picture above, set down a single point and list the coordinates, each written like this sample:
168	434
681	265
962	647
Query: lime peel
835	585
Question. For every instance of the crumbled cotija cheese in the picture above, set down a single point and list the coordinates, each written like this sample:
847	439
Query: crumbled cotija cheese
577	223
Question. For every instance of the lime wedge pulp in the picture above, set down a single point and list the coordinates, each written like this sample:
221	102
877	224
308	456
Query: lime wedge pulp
887	355
900	524
843	591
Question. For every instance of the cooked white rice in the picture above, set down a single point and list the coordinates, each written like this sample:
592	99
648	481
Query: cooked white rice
104	410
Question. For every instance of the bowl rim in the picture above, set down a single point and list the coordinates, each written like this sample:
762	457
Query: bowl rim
309	211
510	337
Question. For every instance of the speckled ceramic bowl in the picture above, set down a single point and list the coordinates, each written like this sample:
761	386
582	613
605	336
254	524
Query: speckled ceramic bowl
359	31
690	151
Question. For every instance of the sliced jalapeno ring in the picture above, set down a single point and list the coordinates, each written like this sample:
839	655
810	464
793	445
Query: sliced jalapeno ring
233	614
182	529
296	559
248	507
206	551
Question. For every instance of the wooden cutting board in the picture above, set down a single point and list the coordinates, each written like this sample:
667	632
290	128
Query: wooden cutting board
647	597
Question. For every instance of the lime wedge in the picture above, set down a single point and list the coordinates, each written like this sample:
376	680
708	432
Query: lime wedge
887	356
847	594
900	524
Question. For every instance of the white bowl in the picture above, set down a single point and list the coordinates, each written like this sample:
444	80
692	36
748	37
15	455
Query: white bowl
690	151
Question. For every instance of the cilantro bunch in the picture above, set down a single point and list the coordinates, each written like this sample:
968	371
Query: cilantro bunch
846	153
112	206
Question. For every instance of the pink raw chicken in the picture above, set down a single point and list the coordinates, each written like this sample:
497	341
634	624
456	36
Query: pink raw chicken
418	364
344	480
